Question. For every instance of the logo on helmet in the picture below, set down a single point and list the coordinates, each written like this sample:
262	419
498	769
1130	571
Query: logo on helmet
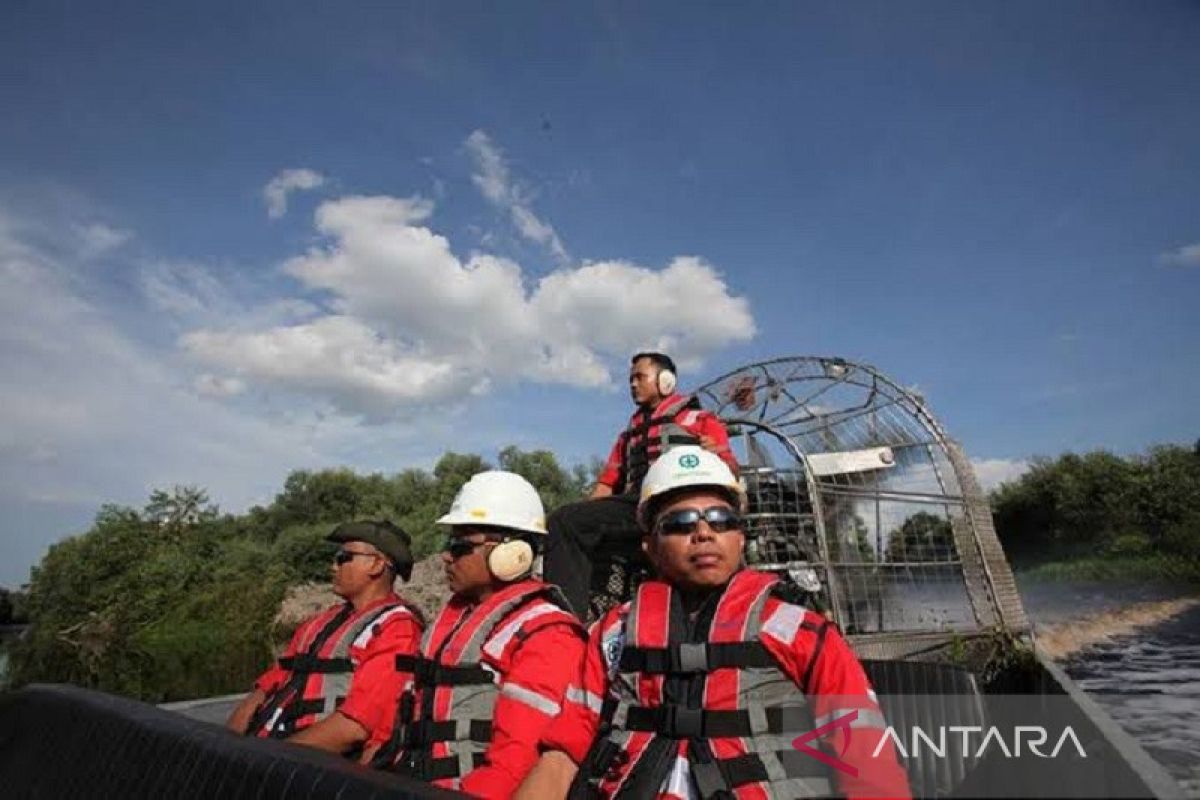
689	461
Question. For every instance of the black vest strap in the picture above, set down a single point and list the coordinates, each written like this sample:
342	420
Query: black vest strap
695	657
423	733
427	672
680	722
310	664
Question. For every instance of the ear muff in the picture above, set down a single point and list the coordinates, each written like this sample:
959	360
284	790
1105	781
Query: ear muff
666	382
510	560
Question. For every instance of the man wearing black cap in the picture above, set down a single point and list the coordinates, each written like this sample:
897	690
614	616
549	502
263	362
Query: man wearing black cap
337	683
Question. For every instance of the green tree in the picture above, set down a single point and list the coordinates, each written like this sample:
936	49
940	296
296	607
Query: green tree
922	537
1100	504
6	607
555	485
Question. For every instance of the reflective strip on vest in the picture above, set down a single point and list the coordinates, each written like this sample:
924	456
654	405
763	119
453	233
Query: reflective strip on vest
531	698
496	644
582	697
369	632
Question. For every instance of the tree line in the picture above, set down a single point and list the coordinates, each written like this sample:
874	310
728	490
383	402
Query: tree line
1103	506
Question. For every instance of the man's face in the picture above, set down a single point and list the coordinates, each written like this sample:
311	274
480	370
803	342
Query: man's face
643	382
702	558
465	560
360	564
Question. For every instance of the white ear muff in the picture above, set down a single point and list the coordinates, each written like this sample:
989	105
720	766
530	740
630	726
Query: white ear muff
666	382
510	560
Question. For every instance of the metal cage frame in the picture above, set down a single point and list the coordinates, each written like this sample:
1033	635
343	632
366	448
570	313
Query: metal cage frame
829	414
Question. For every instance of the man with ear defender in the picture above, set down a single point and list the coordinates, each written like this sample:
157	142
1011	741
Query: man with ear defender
663	419
491	670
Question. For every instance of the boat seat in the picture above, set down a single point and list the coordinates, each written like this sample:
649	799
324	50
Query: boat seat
63	741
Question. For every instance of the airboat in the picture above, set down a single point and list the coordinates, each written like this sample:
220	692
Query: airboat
858	496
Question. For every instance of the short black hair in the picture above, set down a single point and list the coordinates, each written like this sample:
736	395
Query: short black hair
660	360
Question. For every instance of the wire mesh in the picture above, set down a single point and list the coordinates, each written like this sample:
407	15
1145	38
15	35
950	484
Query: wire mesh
851	485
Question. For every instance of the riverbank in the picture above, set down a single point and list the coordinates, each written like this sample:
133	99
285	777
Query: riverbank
1155	568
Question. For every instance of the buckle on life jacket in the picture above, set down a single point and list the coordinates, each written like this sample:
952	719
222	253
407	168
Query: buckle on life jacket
681	722
690	657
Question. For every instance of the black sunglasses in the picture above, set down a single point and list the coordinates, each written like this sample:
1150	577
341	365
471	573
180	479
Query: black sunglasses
685	521
458	547
346	556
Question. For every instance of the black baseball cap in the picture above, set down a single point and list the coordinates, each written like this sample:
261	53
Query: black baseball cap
389	539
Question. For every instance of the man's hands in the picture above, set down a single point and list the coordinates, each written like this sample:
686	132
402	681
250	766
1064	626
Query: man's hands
551	777
601	490
337	733
239	719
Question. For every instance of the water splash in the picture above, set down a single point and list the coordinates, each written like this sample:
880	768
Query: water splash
1060	640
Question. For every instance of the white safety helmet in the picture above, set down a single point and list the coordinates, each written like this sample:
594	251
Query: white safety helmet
683	467
499	499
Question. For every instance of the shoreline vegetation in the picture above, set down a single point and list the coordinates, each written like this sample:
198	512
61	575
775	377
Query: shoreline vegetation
1099	516
177	600
1151	568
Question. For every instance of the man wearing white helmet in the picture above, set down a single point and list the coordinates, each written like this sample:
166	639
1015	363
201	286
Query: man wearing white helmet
712	682
491	670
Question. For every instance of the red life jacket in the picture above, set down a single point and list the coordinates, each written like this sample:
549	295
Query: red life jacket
320	676
651	432
703	697
444	723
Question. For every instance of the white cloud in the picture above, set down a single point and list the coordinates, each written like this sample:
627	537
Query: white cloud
183	289
1186	256
337	357
992	472
209	385
494	181
276	192
97	239
195	294
413	324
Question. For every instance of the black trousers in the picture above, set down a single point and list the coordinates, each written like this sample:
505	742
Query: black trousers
578	533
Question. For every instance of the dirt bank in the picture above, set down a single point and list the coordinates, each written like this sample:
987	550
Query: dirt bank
427	591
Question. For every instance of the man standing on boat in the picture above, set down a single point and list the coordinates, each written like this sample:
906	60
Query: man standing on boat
491	670
663	419
712	682
336	682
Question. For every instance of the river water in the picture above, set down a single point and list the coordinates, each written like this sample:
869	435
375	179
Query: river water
1146	676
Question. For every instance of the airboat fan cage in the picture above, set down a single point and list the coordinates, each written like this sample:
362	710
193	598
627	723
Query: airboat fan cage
853	485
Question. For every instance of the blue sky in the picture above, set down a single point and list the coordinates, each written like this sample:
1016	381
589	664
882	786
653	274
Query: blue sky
235	242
